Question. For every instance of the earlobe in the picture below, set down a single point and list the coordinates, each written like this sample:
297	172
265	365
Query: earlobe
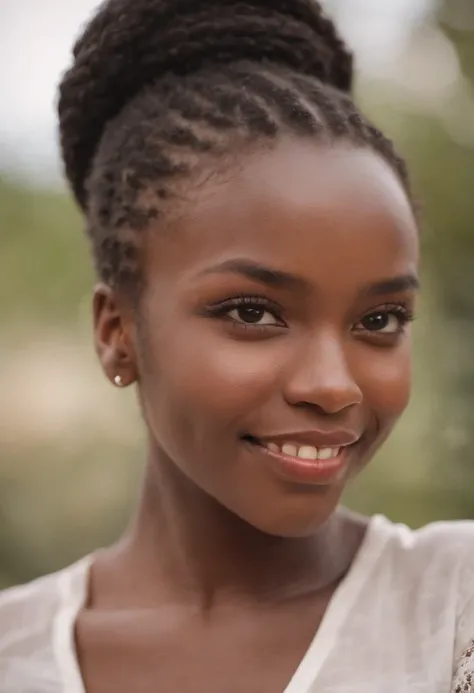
113	332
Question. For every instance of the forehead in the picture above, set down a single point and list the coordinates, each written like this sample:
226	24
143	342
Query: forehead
302	207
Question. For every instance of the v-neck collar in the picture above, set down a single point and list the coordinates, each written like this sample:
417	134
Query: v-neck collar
340	607
73	587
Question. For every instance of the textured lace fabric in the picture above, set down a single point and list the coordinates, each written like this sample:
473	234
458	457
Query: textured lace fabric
402	621
463	681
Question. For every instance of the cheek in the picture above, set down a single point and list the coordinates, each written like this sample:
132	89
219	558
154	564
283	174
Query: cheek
388	385
206	380
198	393
228	376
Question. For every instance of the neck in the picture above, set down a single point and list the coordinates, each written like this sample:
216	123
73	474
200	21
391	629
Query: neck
183	545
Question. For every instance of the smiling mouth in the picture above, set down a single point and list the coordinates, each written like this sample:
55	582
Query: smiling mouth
292	449
304	463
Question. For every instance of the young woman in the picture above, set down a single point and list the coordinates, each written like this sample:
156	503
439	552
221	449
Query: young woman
257	252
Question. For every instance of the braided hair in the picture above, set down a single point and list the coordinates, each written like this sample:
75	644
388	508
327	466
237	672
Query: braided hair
160	88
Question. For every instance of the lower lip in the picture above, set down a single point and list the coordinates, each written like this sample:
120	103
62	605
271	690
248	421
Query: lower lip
307	471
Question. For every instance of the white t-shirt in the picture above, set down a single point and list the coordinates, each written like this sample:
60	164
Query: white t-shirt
402	621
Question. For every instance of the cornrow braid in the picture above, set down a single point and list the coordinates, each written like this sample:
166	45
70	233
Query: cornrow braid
161	88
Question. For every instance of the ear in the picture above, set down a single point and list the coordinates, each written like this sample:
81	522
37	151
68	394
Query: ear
113	332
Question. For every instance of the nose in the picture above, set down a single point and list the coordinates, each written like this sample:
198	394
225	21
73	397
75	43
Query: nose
321	376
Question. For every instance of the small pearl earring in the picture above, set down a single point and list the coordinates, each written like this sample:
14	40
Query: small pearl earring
118	381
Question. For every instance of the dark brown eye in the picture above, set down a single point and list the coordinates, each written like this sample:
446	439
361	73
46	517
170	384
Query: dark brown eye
379	321
384	322
252	315
249	311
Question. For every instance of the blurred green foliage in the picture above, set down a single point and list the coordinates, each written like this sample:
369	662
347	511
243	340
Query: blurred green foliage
67	480
44	259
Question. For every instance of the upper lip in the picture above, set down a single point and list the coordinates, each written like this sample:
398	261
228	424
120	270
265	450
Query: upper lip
317	439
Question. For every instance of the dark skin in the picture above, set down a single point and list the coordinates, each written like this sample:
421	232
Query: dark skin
279	303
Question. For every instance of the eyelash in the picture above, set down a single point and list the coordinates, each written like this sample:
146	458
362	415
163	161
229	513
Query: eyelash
220	310
401	311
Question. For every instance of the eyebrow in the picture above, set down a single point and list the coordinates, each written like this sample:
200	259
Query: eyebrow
260	273
393	285
284	280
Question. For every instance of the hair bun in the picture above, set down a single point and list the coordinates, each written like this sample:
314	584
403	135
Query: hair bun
131	43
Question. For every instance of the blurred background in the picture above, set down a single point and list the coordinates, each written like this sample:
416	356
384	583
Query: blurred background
71	447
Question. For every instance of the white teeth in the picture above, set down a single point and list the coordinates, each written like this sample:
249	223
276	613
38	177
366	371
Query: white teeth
327	453
305	452
290	450
308	452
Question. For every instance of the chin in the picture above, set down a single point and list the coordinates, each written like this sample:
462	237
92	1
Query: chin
301	517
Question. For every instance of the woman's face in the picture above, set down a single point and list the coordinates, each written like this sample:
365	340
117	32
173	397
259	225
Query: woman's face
275	356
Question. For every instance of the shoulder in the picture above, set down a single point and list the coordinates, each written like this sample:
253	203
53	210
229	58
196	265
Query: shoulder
21	606
434	568
448	544
434	564
28	618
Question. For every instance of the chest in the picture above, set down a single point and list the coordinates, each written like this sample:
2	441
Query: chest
169	652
